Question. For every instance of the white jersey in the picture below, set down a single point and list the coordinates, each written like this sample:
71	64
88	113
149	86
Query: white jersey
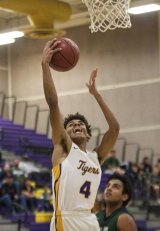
75	184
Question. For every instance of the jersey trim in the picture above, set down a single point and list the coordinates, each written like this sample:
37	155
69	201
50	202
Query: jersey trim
58	215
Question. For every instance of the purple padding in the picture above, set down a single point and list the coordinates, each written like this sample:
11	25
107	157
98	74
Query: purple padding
42	157
6	212
26	218
5	123
153	229
39	226
141	223
11	127
12	134
15	141
12	131
30	219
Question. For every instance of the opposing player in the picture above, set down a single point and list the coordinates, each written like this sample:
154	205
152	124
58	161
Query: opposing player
76	171
117	195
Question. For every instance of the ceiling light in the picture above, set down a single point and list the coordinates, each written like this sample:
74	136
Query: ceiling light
144	6
12	34
4	41
9	37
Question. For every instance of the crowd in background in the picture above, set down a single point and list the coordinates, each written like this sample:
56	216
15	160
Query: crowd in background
18	191
145	179
19	188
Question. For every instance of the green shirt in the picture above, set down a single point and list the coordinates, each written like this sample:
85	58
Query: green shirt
110	223
110	162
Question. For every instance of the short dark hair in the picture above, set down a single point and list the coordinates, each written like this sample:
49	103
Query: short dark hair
127	187
78	116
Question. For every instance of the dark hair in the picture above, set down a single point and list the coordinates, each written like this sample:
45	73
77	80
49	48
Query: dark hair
78	116
127	187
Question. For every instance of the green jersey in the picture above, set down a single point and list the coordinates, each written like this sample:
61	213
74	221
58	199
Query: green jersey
110	223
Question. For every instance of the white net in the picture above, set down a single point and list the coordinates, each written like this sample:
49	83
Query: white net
108	14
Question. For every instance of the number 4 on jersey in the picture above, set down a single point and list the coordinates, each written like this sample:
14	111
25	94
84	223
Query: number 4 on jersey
85	189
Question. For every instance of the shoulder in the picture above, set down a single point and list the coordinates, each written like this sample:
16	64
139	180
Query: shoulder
126	222
61	152
100	216
124	216
100	213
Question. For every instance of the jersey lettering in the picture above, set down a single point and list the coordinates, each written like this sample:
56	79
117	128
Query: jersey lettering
85	189
84	168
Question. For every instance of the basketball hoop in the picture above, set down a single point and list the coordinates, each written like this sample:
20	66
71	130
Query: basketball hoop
108	14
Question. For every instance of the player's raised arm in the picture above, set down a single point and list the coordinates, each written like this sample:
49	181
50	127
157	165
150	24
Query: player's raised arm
58	131
111	134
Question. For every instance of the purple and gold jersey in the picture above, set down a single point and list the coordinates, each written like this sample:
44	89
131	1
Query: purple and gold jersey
75	184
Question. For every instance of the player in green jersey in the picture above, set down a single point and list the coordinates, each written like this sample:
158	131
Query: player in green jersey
117	194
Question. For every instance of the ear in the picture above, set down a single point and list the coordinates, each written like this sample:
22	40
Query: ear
125	197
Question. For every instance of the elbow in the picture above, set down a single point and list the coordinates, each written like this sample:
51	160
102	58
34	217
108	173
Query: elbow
116	128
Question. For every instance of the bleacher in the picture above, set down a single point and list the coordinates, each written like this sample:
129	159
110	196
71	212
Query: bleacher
21	141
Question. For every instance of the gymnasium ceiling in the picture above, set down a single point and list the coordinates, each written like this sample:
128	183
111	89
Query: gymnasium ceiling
42	18
74	13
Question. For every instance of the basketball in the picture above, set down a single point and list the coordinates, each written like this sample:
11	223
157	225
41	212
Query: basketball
67	58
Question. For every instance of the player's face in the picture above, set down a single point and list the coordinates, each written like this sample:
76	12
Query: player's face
76	129
114	192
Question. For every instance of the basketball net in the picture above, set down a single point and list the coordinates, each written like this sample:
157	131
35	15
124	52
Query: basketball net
108	14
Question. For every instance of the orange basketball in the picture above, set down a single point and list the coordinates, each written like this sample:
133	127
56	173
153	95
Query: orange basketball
67	58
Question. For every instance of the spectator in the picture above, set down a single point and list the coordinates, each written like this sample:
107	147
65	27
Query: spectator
2	161
133	174
155	183
158	163
144	180
6	171
147	165
18	173
29	193
27	166
111	162
10	194
137	186
47	199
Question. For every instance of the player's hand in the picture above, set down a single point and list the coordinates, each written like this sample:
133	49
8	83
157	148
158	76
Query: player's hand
91	84
49	49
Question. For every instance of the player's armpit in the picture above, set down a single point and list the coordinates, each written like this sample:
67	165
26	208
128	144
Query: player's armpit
61	149
58	155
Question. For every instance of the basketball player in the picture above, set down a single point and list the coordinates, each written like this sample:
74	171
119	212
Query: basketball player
117	194
76	171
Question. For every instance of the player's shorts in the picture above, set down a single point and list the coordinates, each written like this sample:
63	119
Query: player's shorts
74	221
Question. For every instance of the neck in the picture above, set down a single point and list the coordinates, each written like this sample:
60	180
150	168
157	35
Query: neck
82	147
110	208
81	144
